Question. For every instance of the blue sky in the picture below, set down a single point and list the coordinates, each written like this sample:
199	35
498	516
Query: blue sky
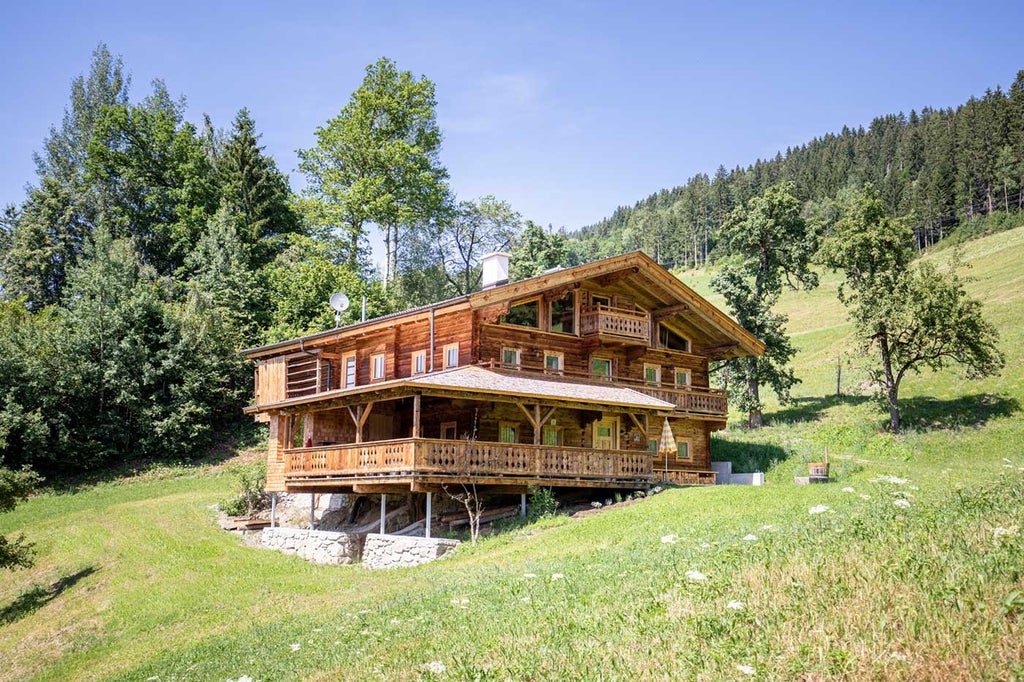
565	109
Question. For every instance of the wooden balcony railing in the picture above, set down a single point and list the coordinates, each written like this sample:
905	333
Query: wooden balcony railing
602	320
461	458
693	400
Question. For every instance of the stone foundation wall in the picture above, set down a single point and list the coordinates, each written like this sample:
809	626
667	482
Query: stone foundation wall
317	546
397	551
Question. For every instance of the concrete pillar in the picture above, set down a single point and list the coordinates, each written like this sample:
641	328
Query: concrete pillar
429	511
312	508
522	505
273	510
383	511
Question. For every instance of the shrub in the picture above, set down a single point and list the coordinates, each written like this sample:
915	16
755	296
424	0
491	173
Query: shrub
543	503
252	496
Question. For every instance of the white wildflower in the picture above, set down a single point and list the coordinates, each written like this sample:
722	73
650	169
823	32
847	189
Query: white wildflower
529	575
745	669
656	489
1005	459
396	621
526	599
913	487
865	497
696	576
750	537
767	526
705	545
557	576
848	489
436	667
902	503
1000	532
818	509
735	605
669	539
296	646
886	478
596	505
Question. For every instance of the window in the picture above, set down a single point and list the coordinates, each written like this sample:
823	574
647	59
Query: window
378	366
551	435
449	430
600	301
524	315
682	450
419	362
554	363
672	341
683	377
451	355
508	432
601	367
652	445
348	368
652	374
563	314
511	358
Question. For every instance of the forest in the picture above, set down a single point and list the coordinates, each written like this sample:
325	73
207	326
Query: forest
148	250
937	170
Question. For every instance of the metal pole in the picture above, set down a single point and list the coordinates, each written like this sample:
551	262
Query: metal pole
312	508
383	510
429	511
522	505
273	510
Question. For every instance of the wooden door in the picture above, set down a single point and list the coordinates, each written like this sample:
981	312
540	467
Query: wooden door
606	434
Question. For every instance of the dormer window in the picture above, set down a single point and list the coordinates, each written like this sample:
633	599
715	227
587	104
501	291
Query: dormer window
563	314
669	340
524	314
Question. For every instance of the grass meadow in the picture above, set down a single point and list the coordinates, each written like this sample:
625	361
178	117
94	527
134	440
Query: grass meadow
909	566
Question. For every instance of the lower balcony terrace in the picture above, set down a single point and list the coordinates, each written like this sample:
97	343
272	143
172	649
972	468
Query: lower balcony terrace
422	464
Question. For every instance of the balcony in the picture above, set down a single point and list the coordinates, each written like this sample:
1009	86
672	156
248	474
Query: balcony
619	325
433	462
704	401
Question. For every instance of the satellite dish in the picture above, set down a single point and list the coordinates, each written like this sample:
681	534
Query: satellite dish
339	302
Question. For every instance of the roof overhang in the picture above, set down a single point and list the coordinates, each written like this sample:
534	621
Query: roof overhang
472	382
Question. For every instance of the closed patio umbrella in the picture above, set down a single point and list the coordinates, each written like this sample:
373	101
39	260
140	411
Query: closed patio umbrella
666	444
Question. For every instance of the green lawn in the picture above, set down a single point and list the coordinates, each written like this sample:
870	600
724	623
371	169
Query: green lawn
915	570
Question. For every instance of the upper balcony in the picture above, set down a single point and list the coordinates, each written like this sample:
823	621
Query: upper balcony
619	325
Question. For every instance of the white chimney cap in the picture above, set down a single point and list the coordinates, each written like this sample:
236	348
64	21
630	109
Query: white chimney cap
494	268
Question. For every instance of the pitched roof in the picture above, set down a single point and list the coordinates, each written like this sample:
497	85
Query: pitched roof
473	378
637	261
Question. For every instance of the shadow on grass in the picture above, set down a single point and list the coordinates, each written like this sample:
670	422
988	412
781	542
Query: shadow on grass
969	411
38	597
810	409
747	457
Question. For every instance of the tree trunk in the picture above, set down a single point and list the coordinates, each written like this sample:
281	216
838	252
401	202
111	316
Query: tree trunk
754	419
892	388
393	260
387	257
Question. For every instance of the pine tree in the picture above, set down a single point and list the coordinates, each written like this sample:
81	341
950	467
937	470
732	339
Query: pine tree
255	193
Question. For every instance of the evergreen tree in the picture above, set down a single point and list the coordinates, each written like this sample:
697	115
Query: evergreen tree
536	250
255	193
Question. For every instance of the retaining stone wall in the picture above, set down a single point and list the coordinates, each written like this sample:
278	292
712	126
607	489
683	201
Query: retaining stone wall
317	546
397	551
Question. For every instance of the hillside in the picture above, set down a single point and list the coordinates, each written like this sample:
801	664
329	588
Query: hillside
135	581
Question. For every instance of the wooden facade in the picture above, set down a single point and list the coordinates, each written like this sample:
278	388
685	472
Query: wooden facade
565	379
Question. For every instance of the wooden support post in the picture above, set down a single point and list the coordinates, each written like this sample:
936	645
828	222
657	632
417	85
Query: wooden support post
536	424
312	508
429	510
383	510
416	422
359	417
522	505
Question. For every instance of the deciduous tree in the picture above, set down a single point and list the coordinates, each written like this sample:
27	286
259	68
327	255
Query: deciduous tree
771	245
912	316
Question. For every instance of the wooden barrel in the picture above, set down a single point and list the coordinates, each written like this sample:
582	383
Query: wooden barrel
818	469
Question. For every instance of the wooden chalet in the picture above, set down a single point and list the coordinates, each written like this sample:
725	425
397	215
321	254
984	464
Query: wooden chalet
564	380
